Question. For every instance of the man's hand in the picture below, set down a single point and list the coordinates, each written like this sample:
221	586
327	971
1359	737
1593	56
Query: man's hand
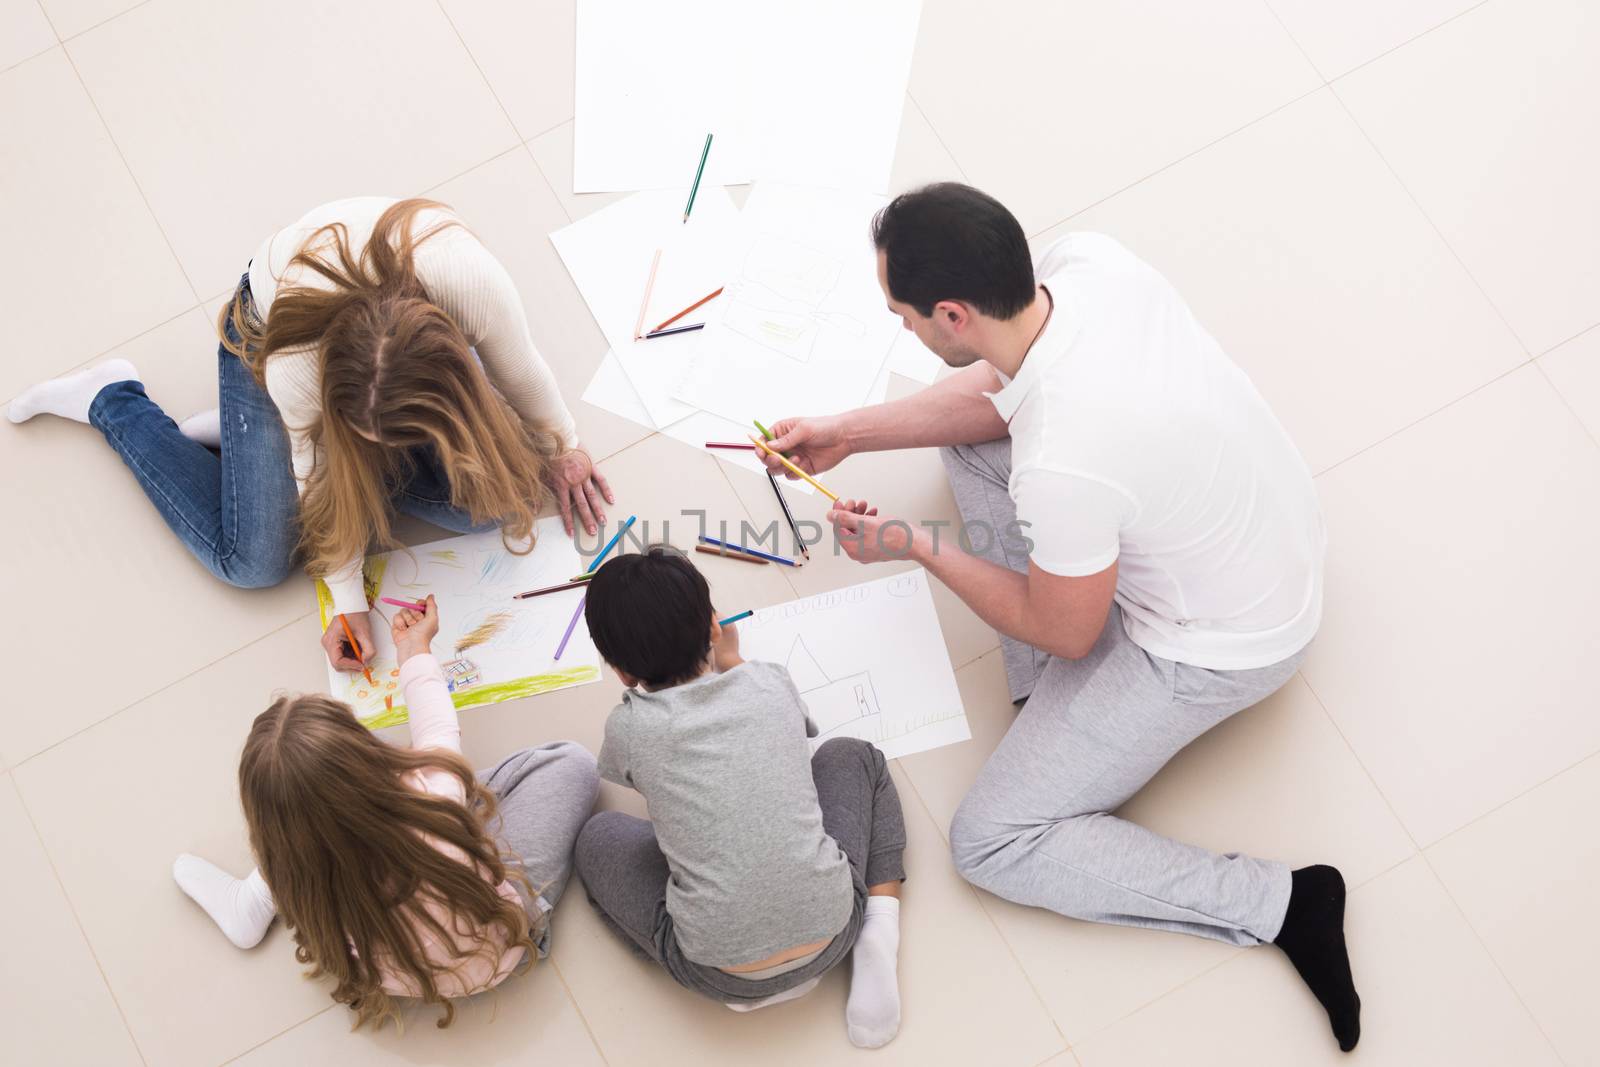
725	652
813	445
867	537
579	487
337	645
413	632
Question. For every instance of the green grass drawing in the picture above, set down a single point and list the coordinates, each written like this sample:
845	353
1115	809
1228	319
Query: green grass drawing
494	693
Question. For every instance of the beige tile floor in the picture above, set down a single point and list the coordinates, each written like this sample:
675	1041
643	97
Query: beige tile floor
1385	211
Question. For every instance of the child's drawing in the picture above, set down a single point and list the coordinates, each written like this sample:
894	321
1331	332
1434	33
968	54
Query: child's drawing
845	706
490	646
778	299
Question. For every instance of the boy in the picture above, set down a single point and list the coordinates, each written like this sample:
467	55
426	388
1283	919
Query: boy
765	865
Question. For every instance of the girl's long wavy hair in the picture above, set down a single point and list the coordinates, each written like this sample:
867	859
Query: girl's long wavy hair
353	855
399	380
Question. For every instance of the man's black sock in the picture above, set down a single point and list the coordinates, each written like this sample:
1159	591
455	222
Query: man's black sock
1313	938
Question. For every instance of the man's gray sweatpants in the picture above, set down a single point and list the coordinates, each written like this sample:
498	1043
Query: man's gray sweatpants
1037	828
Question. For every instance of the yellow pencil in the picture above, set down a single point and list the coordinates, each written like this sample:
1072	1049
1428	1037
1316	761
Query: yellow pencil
820	487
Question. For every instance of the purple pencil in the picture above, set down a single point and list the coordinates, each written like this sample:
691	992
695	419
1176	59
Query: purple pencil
576	615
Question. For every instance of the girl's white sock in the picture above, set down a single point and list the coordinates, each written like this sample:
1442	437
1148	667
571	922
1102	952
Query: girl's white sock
71	395
204	428
872	1014
243	908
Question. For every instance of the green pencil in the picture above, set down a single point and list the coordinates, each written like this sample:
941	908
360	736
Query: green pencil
695	188
768	435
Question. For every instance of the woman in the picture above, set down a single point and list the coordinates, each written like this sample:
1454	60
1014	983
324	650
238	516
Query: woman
355	373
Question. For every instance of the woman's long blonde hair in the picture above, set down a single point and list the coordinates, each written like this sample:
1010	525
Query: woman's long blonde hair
353	855
398	378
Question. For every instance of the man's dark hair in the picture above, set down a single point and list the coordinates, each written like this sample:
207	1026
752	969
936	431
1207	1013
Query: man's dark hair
949	241
650	615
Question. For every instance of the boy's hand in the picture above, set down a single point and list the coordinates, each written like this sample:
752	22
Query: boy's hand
725	653
413	633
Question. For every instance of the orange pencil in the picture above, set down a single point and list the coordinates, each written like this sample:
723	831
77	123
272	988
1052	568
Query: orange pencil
351	635
703	300
644	308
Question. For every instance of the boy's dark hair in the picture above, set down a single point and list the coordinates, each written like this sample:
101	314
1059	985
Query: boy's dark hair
650	615
949	241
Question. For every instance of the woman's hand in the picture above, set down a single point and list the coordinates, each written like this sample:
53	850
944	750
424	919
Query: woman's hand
337	645
580	487
413	632
725	651
813	445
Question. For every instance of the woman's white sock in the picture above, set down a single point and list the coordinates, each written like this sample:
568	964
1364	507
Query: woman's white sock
242	907
872	1014
203	428
70	396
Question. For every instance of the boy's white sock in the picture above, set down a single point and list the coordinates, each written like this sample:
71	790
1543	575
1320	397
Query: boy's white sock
243	908
872	1014
778	998
203	428
71	395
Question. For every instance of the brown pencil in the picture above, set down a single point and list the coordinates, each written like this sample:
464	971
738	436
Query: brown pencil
549	589
703	300
730	553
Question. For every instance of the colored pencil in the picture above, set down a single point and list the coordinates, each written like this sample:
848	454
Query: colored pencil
573	584
750	551
404	603
701	169
784	504
730	553
730	444
595	564
675	329
766	433
581	578
351	636
703	300
735	618
576	615
644	308
824	490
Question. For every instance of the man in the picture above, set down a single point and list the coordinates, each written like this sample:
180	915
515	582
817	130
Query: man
1144	536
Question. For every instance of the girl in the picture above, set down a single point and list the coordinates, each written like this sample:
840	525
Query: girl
384	860
358	355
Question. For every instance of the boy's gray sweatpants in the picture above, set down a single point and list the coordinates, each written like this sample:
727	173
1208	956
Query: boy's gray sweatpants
1037	828
543	795
625	873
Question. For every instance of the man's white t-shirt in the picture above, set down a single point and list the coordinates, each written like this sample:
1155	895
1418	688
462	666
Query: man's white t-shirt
1134	439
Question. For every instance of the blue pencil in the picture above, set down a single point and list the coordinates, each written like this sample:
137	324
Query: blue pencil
610	545
748	551
735	618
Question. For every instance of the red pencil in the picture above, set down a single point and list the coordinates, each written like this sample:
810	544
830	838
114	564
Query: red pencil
730	444
691	307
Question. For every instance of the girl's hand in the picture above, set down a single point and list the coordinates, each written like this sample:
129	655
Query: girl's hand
581	488
413	633
813	445
337	645
725	650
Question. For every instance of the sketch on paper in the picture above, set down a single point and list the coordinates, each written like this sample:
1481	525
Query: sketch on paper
869	661
780	299
490	647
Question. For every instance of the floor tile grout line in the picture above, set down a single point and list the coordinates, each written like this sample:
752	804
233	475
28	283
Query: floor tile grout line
48	21
76	919
144	197
548	184
937	136
977	897
1392	434
1432	224
287	1029
1506	803
1487	951
30	58
436	186
1284	26
1314	90
1409	40
103	353
487	84
158	691
1594	435
1568	340
554	126
582	1017
109	18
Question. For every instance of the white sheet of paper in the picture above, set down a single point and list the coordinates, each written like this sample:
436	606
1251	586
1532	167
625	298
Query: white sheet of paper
869	661
473	579
803	93
802	322
609	254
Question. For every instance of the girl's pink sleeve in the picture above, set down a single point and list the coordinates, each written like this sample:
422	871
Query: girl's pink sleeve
432	714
